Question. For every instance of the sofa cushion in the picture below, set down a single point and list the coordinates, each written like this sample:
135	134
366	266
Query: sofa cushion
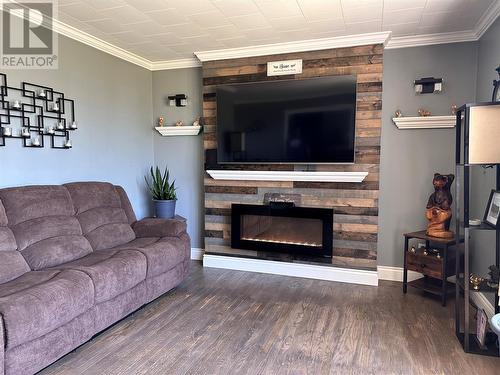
99	210
112	272
41	301
162	254
43	223
32	202
12	263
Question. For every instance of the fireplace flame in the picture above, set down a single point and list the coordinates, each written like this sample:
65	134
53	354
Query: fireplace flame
313	244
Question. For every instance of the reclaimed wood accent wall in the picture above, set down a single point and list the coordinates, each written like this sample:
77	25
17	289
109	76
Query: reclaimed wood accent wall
355	204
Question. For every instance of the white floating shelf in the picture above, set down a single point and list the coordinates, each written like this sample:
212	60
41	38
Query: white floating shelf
170	131
287	176
425	122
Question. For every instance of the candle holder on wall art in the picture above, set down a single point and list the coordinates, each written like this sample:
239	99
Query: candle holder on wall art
42	113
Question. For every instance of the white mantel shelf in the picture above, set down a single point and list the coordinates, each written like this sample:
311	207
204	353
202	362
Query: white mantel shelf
171	131
287	176
425	122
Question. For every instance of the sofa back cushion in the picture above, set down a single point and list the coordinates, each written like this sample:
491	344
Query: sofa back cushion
12	263
42	219
104	219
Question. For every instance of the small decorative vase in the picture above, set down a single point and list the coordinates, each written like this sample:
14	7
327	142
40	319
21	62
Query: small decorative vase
165	209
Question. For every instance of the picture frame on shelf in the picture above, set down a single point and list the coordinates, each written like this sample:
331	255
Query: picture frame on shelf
481	326
492	213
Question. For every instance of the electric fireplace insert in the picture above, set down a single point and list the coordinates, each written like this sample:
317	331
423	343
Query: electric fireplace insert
282	227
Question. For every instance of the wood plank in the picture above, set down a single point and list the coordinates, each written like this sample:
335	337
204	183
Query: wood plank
358	228
231	189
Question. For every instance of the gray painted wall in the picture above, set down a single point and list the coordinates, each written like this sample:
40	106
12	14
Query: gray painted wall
113	109
483	242
182	155
409	158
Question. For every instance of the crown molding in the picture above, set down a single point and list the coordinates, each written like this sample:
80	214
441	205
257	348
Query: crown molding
300	46
431	39
175	64
487	19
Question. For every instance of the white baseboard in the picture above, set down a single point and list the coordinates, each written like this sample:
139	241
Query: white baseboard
197	254
309	271
396	274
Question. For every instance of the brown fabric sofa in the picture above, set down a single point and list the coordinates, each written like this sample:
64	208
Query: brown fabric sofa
73	261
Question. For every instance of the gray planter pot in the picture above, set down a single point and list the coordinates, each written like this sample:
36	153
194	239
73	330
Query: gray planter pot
165	209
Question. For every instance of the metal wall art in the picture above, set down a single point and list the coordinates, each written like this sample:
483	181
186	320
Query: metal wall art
35	113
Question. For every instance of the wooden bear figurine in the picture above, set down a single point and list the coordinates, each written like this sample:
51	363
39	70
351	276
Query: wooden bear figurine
439	207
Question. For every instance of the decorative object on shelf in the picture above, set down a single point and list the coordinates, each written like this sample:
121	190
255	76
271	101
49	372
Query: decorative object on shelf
413	250
493	209
475	281
424	113
40	113
161	121
482	324
196	122
428	85
178	100
454	109
496	87
398	113
425	122
163	193
439	207
494	278
179	123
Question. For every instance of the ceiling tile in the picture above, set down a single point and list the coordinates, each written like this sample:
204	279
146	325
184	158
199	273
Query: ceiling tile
278	8
397	17
289	23
252	21
403	29
166	29
233	8
210	19
403	4
315	10
363	27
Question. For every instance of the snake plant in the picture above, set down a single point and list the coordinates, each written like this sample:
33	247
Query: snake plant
160	186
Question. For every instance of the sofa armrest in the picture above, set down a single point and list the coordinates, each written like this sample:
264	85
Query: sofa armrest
2	346
156	227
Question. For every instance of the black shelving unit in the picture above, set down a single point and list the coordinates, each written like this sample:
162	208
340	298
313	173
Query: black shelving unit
465	333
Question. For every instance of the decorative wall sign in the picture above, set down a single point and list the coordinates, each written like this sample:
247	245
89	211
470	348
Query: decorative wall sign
281	68
33	113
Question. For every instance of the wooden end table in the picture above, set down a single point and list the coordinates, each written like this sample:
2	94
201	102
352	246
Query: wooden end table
435	269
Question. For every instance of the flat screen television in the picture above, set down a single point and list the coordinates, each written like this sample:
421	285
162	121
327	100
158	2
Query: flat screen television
289	121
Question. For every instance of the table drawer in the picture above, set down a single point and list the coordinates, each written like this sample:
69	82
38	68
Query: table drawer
426	264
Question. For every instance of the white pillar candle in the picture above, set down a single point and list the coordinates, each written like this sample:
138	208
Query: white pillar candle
68	144
60	125
35	141
25	132
7	132
50	130
16	104
74	125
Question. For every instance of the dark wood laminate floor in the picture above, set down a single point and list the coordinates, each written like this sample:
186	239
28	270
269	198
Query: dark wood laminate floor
231	322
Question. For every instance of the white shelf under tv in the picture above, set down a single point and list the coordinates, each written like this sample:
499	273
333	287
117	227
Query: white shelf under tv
305	176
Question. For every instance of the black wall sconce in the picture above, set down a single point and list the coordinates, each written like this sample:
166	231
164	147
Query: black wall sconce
178	100
428	85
